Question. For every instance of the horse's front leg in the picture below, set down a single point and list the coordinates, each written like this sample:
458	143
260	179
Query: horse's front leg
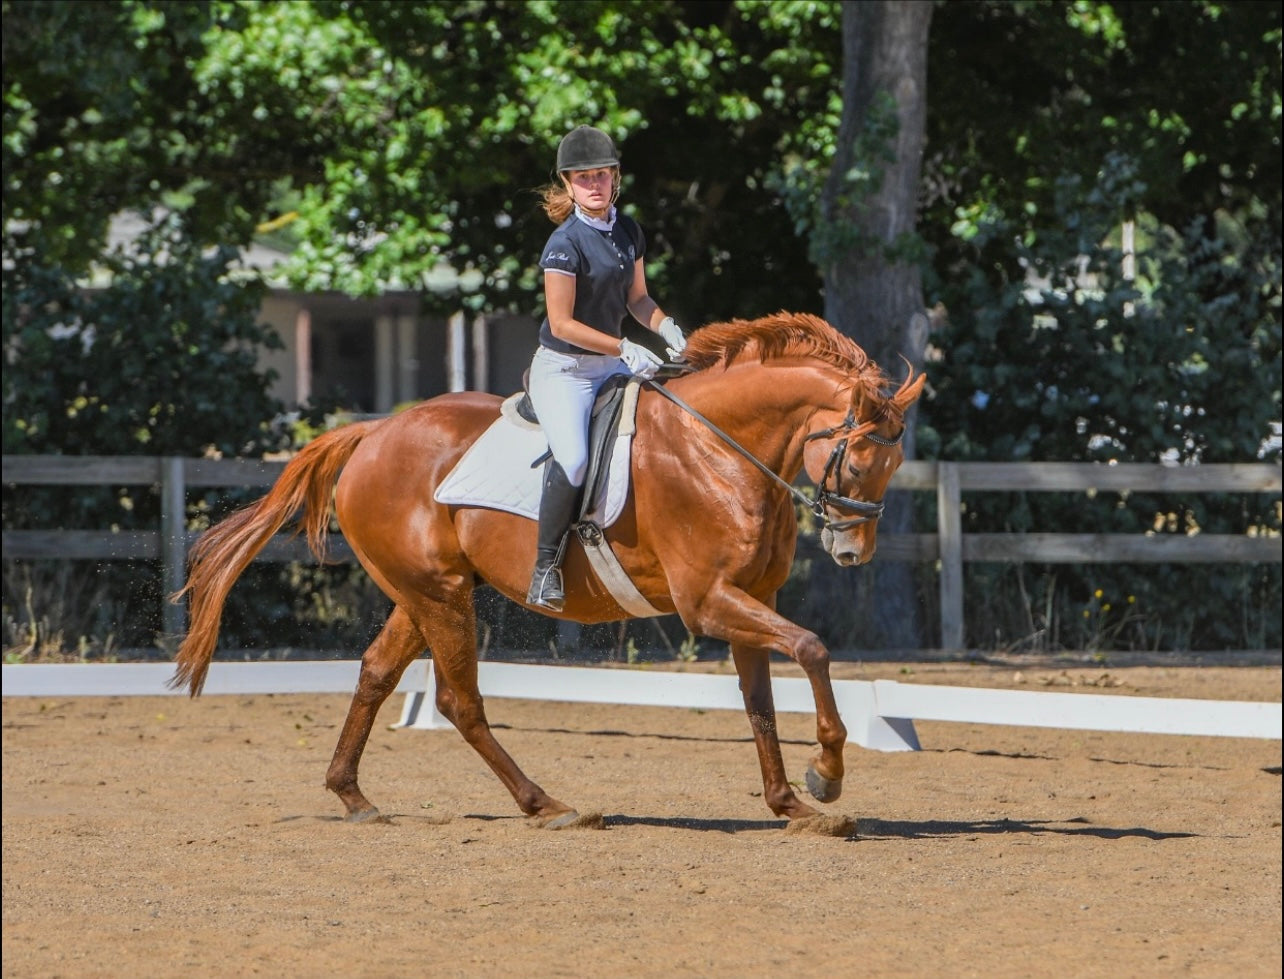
754	670
396	646
729	613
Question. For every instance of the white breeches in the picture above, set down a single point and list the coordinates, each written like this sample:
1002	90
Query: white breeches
562	389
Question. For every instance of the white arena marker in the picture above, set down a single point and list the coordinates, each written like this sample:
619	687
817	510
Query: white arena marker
878	714
1079	711
150	679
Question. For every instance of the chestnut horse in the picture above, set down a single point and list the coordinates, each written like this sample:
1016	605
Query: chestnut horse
708	532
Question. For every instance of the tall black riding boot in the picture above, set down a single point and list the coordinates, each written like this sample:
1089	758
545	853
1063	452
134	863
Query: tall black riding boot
556	510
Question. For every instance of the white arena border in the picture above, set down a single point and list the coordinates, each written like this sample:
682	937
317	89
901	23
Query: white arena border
879	714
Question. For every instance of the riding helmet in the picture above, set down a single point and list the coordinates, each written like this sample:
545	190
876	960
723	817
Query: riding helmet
586	148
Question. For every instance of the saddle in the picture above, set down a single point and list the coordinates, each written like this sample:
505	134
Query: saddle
604	425
604	428
502	450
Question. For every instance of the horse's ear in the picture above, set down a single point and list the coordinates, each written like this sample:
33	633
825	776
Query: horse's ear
910	390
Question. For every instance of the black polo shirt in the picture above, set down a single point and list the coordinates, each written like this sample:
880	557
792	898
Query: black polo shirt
602	263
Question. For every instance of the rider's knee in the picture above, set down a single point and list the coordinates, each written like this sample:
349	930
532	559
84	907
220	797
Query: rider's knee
576	469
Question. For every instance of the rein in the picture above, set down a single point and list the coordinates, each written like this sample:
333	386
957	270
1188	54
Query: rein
824	498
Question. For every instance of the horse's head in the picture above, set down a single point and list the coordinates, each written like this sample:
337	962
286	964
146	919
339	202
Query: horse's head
852	458
852	446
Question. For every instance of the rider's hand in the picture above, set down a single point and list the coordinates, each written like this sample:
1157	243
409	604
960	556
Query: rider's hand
639	360
673	337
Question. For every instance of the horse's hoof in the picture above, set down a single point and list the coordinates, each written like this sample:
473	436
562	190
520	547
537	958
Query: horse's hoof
823	824
371	815
570	820
823	789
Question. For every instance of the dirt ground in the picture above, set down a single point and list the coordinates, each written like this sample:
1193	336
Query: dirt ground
163	836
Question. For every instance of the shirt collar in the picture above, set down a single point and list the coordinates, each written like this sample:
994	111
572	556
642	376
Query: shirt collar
597	223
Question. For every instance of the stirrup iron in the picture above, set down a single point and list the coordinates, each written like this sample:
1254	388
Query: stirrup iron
546	590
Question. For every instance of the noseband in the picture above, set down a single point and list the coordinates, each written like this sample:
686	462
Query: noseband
865	510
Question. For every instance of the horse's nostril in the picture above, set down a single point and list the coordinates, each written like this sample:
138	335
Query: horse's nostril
845	553
848	553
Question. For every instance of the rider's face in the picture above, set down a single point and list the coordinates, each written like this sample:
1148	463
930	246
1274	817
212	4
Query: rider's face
592	189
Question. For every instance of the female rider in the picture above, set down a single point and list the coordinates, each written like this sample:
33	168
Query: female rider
593	276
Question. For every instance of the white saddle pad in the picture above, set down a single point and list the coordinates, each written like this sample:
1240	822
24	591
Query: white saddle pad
496	472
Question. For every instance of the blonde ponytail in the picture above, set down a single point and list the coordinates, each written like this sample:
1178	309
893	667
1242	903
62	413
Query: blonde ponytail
557	202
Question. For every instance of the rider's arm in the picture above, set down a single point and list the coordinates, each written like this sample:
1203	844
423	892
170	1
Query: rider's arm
559	301
644	309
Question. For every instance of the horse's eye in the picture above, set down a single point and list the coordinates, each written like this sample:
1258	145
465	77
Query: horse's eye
857	473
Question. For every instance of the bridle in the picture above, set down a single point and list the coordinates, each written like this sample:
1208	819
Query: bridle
864	510
825	498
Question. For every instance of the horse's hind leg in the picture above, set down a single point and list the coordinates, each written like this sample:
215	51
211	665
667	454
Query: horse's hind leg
396	646
451	630
754	670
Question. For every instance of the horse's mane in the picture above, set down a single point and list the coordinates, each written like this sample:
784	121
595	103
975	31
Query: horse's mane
783	335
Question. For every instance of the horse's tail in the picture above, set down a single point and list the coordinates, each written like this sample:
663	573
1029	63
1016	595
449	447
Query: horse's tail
224	551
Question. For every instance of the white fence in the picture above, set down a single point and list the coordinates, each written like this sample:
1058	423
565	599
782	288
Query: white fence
879	714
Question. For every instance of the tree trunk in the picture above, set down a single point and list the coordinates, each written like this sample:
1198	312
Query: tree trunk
873	286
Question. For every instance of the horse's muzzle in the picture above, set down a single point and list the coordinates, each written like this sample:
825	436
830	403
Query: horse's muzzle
849	549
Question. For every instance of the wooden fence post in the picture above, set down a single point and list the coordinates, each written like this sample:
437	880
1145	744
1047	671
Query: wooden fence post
949	529
173	543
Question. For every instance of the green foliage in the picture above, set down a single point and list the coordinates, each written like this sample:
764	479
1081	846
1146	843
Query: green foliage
824	222
1053	131
104	112
1180	365
441	121
160	361
411	137
1078	362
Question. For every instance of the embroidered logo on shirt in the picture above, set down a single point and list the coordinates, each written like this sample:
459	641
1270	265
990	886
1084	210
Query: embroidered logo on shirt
557	257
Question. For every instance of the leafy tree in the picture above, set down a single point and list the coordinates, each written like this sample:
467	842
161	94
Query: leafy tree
162	360
113	106
103	114
860	228
1042	160
452	114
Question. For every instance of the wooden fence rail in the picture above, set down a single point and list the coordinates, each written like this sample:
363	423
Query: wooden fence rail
949	546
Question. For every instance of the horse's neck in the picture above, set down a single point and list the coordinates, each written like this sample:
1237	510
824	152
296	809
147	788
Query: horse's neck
764	407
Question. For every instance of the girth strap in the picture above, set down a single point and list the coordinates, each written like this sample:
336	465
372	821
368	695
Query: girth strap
611	573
